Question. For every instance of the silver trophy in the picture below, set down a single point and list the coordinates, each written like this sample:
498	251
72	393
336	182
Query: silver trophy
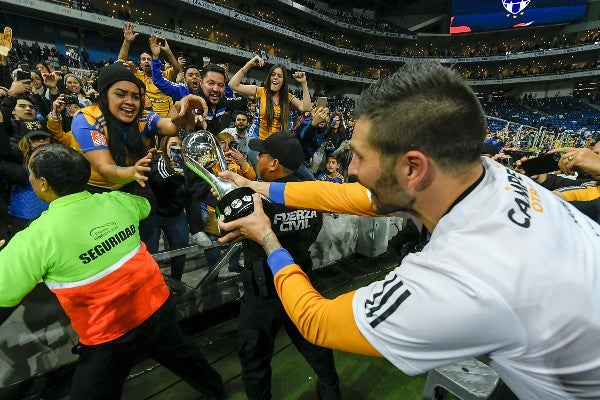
202	153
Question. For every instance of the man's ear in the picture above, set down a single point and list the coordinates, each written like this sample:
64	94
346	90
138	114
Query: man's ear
273	164
44	184
418	173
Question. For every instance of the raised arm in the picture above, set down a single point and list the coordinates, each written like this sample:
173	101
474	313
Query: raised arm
176	92
54	124
235	83
128	37
303	104
172	59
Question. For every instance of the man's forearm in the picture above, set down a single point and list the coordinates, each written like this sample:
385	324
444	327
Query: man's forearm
324	322
261	188
173	61
306	104
270	243
124	51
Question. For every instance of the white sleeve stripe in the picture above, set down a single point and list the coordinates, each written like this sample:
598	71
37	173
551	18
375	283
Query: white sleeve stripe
162	168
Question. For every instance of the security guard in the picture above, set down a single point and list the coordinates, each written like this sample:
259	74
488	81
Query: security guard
261	313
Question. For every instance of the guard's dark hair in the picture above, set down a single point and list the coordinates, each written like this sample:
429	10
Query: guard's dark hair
66	170
425	107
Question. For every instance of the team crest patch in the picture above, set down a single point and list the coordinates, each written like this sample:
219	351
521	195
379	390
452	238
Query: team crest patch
515	6
99	139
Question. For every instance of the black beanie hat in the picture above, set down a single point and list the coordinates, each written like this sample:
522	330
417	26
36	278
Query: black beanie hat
114	73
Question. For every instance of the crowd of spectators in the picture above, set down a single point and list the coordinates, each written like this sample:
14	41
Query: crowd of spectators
464	48
565	120
570	114
544	40
362	20
54	70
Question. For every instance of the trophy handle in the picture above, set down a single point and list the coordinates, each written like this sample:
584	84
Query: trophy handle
221	186
199	170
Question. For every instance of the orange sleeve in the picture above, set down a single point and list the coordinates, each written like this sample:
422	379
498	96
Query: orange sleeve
346	198
324	322
249	172
66	138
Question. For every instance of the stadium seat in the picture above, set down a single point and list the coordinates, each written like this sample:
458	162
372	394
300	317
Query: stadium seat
467	380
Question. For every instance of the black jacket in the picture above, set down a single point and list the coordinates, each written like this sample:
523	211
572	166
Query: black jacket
168	187
296	230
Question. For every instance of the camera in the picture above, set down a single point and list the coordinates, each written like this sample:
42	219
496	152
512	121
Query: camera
23	75
71	99
94	97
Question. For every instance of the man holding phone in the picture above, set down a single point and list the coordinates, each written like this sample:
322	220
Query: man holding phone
18	108
312	132
541	164
584	193
239	131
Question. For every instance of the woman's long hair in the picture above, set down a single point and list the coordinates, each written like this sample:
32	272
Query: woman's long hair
124	140
26	149
337	136
284	104
163	148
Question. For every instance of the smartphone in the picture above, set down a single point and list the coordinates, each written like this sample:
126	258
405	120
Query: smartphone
177	158
541	164
160	41
321	102
233	145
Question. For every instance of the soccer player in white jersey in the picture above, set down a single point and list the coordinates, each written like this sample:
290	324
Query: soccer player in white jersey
533	307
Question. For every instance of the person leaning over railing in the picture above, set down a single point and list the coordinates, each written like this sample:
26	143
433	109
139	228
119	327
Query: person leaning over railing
534	309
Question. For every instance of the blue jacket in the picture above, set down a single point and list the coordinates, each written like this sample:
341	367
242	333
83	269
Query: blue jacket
310	137
24	203
176	91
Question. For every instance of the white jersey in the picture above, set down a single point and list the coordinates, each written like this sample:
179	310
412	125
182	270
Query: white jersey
510	271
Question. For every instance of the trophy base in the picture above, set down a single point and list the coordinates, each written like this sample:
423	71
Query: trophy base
236	204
